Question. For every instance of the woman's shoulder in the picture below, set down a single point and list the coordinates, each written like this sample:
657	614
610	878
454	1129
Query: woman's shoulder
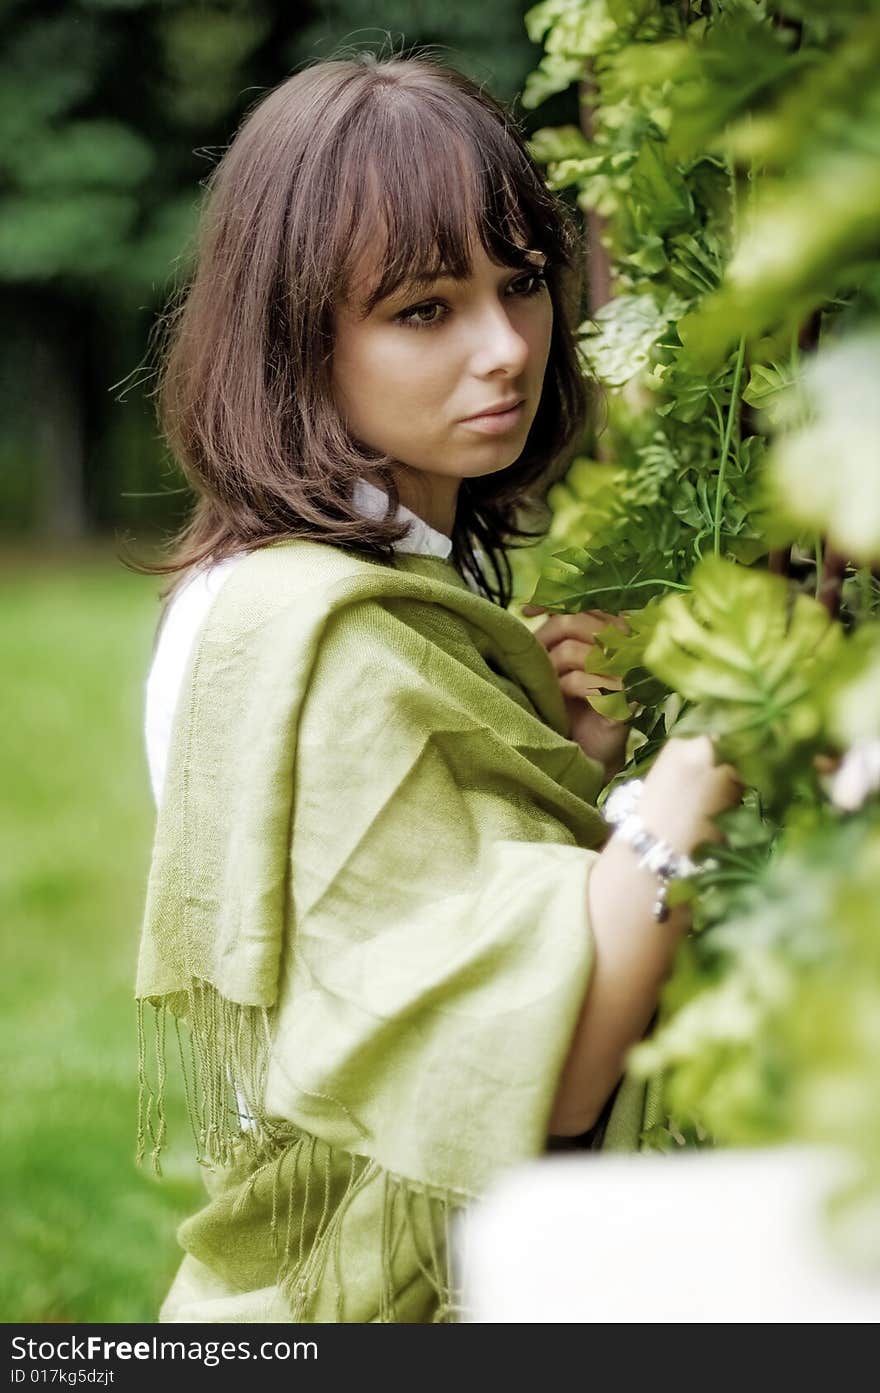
311	562
200	587
185	613
298	578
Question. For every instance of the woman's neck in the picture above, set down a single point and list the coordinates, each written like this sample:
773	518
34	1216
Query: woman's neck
432	497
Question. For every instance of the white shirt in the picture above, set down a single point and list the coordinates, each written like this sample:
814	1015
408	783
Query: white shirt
189	609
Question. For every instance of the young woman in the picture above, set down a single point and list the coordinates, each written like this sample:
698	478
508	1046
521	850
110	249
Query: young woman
377	898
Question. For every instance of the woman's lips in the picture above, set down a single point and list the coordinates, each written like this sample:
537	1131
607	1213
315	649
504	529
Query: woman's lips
496	422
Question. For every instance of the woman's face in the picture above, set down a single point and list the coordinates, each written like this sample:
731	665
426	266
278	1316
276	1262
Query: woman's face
413	377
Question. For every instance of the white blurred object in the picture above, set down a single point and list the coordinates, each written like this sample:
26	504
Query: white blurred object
724	1236
857	776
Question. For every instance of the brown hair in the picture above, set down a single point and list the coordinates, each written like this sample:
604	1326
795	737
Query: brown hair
244	391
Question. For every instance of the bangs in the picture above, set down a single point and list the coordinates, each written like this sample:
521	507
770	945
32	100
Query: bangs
422	186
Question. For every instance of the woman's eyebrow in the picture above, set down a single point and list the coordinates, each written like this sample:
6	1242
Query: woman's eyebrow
442	273
410	285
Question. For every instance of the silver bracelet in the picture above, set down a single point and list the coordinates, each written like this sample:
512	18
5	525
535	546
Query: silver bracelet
620	812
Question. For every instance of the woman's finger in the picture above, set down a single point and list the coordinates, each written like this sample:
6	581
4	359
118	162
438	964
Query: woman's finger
560	627
584	624
583	684
574	656
570	655
616	619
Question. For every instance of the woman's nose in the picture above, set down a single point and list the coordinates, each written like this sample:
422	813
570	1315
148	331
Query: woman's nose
498	344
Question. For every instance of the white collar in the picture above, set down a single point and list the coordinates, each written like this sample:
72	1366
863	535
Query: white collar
372	502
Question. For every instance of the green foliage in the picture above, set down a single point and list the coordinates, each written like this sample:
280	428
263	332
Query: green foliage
572	32
82	203
576	578
487	41
788	260
767	384
751	661
667	232
558	143
732	174
44	236
97	153
204	50
774	1032
820	132
617	343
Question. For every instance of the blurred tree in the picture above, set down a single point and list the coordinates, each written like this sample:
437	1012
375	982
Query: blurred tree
98	190
487	41
114	112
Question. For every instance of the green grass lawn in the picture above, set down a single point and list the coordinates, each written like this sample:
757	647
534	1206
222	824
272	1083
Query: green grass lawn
88	1236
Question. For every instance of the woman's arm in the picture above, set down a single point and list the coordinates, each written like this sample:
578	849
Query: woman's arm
633	952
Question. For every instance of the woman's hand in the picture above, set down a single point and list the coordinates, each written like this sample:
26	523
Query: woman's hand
685	790
568	639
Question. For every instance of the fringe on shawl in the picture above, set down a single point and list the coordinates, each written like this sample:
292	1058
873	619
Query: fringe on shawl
228	1055
303	1170
226	1065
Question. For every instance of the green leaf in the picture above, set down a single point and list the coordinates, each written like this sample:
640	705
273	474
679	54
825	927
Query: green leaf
578	578
650	65
751	661
553	74
587	478
617	343
834	92
657	185
649	257
617	652
612	705
788	259
572	171
554	143
540	18
583	30
741	59
766	383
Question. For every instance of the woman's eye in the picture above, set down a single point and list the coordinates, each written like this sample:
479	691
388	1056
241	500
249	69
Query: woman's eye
411	317
433	312
530	284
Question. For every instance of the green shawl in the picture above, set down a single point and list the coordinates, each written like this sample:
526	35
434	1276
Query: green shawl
368	903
